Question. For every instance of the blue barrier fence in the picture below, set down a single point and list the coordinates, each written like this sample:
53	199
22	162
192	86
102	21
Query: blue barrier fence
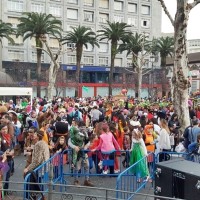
128	180
132	180
41	175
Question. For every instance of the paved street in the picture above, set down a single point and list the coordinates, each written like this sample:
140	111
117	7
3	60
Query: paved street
100	182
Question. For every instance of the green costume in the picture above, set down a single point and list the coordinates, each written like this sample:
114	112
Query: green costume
77	139
140	169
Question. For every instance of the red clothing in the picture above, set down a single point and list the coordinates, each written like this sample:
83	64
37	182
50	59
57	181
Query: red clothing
198	114
150	116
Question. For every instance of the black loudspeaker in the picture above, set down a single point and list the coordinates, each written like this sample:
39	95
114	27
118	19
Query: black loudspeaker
177	178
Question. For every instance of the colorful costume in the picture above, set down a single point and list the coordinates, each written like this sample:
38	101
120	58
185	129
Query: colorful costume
137	153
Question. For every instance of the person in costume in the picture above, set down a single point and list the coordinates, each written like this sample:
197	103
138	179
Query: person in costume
79	142
138	151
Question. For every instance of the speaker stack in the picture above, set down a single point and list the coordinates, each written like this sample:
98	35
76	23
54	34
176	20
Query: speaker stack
177	178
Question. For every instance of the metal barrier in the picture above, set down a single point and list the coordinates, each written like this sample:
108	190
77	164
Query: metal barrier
41	175
130	180
168	155
84	193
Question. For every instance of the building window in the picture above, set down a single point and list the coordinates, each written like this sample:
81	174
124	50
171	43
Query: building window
88	2
132	21
89	48
103	61
145	23
104	3
118	5
55	10
15	5
88	16
16	55
18	41
72	1
129	62
72	13
34	57
37	7
103	17
132	7
145	10
118	62
71	59
14	21
53	43
103	47
118	18
88	60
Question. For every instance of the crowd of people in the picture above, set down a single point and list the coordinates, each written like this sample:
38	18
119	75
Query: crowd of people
95	130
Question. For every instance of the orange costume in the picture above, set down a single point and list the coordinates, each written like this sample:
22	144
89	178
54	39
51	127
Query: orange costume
149	138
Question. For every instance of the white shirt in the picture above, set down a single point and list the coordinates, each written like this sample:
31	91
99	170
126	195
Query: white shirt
164	141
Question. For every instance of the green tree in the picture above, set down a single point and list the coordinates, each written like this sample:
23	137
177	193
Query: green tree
5	31
80	36
38	25
114	32
137	46
165	46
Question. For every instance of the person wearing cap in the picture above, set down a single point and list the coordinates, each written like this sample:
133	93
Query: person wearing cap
40	153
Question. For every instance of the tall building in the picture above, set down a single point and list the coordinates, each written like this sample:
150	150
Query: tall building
144	16
193	46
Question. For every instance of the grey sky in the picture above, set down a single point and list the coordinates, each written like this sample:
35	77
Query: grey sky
193	25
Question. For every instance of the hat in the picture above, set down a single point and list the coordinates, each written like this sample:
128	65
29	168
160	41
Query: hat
135	123
13	112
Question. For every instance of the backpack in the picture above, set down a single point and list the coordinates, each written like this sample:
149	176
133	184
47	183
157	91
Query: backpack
76	115
35	124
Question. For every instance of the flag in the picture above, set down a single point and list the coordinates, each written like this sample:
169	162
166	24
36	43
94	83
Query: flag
86	89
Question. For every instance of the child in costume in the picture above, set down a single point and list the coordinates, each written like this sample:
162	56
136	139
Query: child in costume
138	151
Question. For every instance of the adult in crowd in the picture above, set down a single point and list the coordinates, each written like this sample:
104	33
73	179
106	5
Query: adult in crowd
6	149
40	153
164	140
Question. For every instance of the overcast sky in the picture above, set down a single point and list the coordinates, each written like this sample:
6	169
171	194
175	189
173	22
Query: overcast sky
194	20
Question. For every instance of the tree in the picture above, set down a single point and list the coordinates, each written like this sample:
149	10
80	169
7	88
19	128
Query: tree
80	36
38	25
138	46
165	46
5	31
114	32
180	82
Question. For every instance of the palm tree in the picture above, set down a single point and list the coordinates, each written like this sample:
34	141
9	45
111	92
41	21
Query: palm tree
5	31
114	32
38	25
80	36
165	46
135	44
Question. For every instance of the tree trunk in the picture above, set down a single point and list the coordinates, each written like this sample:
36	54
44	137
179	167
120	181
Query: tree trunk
52	81
53	69
38	72
112	65
180	81
79	51
140	61
139	84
